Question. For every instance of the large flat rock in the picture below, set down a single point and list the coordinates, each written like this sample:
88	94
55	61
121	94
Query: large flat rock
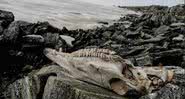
50	83
72	89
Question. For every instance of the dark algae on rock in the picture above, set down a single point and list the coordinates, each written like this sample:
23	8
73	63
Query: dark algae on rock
157	37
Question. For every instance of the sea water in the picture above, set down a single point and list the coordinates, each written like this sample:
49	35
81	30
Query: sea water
73	14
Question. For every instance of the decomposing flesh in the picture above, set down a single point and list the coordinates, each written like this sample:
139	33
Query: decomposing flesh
104	68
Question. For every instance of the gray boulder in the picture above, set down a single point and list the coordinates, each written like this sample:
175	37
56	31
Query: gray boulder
6	17
12	33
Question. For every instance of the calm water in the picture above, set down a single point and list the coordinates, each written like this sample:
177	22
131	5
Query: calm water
70	13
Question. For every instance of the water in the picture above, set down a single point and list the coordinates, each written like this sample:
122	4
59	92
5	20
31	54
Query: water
70	13
136	2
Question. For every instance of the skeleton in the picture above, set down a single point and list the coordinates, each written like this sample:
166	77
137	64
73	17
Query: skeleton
159	76
104	68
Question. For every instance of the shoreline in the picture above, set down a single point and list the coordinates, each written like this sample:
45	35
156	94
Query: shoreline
71	14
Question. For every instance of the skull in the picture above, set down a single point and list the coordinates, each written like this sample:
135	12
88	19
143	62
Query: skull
159	76
107	74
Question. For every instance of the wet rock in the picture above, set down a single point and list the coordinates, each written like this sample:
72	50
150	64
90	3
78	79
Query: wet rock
129	17
162	30
169	57
168	92
33	39
177	10
107	34
132	34
179	38
125	25
41	28
1	30
115	46
174	52
168	19
119	37
152	40
147	36
147	9
65	31
177	24
6	17
70	89
144	60
102	22
14	32
183	62
68	39
51	39
1	27
135	51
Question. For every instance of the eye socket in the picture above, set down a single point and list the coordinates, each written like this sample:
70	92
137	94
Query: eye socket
138	73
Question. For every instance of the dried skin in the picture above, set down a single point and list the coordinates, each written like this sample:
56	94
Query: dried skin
99	66
119	87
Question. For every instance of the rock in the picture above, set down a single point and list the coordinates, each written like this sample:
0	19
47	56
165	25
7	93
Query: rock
119	38
68	39
152	40
144	60
168	19
33	39
1	27
72	89
183	62
155	20
177	10
132	34
107	34
165	45
51	83
147	36
169	57
146	9
179	38
162	30
41	28
1	30
65	31
51	39
6	17
135	51
115	46
177	24
129	17
13	32
168	92
102	22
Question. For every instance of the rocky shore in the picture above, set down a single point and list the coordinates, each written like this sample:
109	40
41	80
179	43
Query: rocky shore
155	38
